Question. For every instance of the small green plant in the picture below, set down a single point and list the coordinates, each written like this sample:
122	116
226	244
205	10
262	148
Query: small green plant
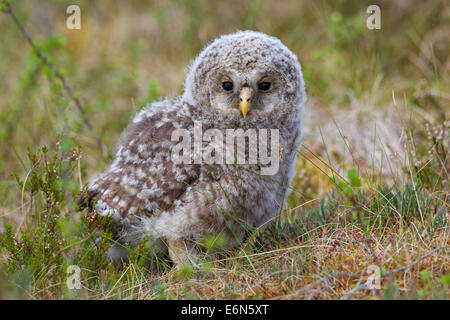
35	248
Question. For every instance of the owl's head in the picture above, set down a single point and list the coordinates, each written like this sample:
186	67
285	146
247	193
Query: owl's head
247	75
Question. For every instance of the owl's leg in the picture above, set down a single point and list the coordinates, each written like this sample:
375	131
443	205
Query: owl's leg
182	252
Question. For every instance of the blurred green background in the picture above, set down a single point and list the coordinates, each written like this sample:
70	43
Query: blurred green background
131	53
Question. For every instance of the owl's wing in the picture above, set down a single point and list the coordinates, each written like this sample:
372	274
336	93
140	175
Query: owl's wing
143	180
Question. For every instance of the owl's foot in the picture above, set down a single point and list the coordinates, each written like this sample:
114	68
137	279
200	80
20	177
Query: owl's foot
182	252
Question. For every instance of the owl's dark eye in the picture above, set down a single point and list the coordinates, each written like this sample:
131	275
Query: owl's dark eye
264	86
227	85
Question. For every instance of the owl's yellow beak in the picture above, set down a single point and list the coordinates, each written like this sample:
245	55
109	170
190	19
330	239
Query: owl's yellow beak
244	100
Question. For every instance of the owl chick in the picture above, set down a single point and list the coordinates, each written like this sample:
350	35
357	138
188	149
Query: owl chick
243	81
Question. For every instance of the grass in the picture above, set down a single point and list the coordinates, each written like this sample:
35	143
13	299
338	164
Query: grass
371	189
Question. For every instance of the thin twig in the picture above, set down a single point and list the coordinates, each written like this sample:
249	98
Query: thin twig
361	286
323	279
8	10
415	262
